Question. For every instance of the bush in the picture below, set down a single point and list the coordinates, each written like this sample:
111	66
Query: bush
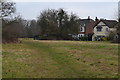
84	38
111	36
37	37
104	38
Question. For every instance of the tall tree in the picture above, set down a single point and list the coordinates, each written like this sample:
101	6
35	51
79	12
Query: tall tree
34	29
118	25
7	8
58	24
11	28
74	24
68	24
48	23
62	20
118	30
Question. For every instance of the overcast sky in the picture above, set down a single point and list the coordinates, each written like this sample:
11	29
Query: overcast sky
108	10
66	0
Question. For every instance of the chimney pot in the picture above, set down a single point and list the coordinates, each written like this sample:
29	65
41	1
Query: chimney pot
96	19
88	17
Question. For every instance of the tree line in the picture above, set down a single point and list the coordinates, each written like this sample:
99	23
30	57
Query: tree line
51	24
57	24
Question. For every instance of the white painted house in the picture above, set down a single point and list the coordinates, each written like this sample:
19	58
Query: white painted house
103	29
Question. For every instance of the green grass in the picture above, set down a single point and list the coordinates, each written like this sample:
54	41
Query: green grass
60	59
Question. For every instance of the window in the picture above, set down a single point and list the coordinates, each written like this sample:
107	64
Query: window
99	38
99	28
80	35
107	29
84	24
81	29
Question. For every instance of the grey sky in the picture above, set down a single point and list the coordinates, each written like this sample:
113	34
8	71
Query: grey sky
108	10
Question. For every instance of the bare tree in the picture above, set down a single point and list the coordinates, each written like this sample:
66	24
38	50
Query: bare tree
7	8
57	24
48	23
118	25
9	31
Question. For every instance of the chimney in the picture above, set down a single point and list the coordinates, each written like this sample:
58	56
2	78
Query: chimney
88	17
96	19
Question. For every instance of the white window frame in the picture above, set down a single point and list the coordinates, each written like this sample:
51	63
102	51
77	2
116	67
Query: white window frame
83	29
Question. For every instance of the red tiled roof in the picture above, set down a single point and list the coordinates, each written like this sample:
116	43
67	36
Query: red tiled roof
89	27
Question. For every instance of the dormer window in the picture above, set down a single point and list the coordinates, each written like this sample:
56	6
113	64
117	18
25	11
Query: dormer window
99	28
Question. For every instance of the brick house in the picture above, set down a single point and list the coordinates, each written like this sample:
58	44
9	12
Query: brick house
86	27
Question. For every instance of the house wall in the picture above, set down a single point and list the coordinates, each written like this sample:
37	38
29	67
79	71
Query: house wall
81	35
101	23
83	29
103	32
81	32
113	29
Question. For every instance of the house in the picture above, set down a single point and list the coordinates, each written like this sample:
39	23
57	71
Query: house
89	30
102	28
86	27
96	30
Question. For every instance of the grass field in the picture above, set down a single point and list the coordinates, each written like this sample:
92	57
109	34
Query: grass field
60	59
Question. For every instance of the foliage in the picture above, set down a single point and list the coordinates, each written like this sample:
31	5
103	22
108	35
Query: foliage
95	38
104	38
51	24
84	38
32	28
111	36
11	30
57	24
36	37
7	8
118	33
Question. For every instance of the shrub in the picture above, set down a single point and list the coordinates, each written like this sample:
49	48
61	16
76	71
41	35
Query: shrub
111	36
95	38
37	37
104	38
84	38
